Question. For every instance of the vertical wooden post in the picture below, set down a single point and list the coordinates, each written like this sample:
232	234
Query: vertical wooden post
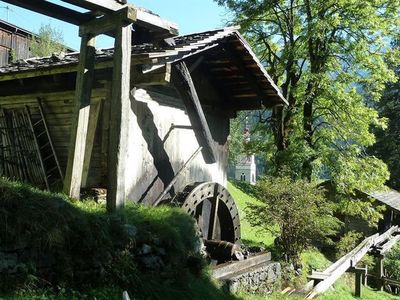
380	272
119	108
84	82
92	127
359	283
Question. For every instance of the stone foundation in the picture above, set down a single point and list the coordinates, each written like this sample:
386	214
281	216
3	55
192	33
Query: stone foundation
255	275
256	280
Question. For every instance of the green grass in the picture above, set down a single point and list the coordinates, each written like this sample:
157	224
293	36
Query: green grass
312	259
344	290
251	236
81	235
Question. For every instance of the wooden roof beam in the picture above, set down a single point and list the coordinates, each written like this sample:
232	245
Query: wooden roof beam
53	10
105	6
183	83
153	22
251	78
144	18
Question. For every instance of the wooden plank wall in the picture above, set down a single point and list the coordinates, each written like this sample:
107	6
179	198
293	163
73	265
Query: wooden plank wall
156	153
58	109
8	41
5	46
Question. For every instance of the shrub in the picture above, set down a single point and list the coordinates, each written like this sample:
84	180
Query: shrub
348	242
300	211
392	263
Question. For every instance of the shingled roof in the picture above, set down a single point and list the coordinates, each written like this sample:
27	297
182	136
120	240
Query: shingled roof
390	198
225	55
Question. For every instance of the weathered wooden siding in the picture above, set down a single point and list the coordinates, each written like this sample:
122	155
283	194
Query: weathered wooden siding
156	151
20	44
4	55
5	47
58	108
13	42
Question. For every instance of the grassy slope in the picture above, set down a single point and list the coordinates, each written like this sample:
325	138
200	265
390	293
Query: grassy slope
41	211
250	235
75	233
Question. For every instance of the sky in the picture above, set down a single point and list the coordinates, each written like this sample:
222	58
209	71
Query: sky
190	16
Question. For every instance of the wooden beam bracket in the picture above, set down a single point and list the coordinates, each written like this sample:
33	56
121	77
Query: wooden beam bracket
108	23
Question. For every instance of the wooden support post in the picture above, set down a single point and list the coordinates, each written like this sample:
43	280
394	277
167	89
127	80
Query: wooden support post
359	283
92	127
84	82
183	83
360	279
365	277
120	105
380	274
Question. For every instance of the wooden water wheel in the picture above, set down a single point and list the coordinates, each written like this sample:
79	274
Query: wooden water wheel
214	210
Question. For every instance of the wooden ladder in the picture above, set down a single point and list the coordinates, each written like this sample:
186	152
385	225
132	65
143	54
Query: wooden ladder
49	162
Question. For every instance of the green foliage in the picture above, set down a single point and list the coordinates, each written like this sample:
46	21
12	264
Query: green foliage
344	290
49	40
312	259
365	209
332	60
392	262
327	56
348	242
387	147
64	294
12	56
300	211
236	139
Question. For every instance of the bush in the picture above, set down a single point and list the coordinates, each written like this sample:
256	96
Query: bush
348	242
392	262
300	210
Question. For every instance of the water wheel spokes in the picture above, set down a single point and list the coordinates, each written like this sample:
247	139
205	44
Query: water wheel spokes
214	210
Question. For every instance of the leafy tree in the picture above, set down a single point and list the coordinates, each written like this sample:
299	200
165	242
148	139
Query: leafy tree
236	146
330	59
49	40
296	212
387	147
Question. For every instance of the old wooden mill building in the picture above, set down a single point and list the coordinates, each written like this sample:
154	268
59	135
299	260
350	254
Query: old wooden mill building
146	120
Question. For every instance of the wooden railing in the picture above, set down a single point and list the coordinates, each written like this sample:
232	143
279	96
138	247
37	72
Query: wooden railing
381	243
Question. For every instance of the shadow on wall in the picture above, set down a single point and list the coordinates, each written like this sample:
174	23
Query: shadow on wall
155	145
